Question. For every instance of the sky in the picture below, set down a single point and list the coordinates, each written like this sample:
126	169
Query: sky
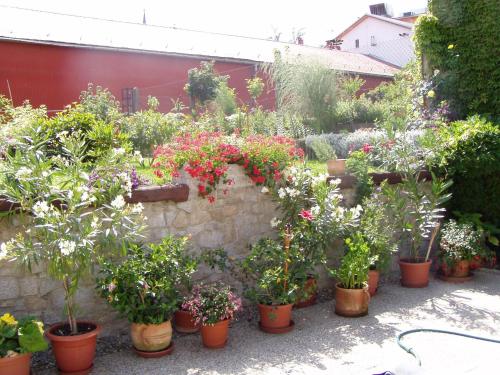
318	20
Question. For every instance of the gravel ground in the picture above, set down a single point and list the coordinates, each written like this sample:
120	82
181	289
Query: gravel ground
323	343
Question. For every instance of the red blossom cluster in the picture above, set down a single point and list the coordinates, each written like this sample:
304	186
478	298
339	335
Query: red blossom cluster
206	157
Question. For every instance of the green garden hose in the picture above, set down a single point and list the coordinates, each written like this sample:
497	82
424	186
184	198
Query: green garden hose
412	352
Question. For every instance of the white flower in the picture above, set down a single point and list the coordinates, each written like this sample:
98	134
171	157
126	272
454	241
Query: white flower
315	210
292	192
23	172
137	208
264	190
118	202
3	250
67	247
40	209
138	156
281	193
95	222
275	222
119	151
85	196
336	181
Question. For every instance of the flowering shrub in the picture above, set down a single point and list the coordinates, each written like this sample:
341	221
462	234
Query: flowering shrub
459	241
212	303
145	287
206	157
23	336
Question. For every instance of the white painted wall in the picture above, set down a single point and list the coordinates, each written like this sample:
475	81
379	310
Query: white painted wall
389	45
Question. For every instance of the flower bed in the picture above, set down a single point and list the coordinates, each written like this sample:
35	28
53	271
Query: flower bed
206	157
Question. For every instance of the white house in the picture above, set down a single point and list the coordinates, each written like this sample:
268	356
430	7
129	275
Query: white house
381	37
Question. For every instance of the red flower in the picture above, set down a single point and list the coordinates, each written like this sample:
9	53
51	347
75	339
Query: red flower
367	148
306	214
201	189
211	198
158	173
256	171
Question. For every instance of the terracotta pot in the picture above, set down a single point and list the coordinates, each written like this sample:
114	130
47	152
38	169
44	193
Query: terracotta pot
414	274
275	316
74	353
18	365
151	337
309	294
336	167
475	263
215	336
184	322
373	279
461	269
351	302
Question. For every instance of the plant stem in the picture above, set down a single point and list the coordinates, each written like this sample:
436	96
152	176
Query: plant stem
433	236
69	306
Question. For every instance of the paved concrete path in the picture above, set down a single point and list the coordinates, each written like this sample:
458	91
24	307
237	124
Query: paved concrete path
323	343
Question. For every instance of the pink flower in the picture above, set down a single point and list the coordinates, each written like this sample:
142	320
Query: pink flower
367	148
306	214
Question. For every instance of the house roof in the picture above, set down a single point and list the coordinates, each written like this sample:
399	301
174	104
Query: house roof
408	25
42	27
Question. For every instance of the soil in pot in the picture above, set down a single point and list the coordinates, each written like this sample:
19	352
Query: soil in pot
414	273
373	279
336	167
74	354
184	322
351	302
151	337
17	365
215	336
275	316
309	295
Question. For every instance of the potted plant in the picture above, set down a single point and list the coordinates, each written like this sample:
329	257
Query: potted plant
70	227
145	289
378	232
351	291
324	153
459	244
213	306
416	211
311	206
18	339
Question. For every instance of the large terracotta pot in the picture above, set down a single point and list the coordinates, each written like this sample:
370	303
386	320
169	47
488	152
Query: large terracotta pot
309	294
461	269
215	336
74	353
18	365
373	279
184	322
351	302
151	337
275	316
475	263
336	167
414	274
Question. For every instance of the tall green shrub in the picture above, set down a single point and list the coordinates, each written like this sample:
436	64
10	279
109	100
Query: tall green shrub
460	40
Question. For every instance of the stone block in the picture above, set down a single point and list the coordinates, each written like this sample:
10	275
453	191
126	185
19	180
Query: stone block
181	220
35	303
47	285
29	285
199	217
9	287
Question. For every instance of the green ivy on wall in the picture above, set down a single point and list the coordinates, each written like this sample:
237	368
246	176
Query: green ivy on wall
461	39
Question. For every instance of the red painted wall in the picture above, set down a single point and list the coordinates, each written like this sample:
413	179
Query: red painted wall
55	75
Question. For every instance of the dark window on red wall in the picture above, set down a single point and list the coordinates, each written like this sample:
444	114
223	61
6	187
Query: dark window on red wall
356	43
130	100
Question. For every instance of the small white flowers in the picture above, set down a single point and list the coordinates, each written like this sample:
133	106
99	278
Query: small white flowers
336	181
264	190
137	208
118	202
23	173
281	193
40	209
315	210
119	151
292	192
275	222
138	156
3	250
67	247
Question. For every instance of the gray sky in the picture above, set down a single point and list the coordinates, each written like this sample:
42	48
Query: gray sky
319	20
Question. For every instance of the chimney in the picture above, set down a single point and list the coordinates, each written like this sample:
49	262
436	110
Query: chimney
381	9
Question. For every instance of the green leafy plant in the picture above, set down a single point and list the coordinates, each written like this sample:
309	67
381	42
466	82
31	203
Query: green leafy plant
255	88
101	103
18	337
147	286
322	149
459	242
358	164
76	216
212	303
354	266
225	99
203	83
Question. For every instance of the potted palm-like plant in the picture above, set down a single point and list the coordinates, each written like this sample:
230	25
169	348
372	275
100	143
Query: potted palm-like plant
75	217
18	339
351	291
145	289
213	306
459	244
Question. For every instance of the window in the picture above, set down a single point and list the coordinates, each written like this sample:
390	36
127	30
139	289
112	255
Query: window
372	40
356	43
130	100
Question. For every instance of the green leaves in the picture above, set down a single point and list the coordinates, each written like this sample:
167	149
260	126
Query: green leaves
31	336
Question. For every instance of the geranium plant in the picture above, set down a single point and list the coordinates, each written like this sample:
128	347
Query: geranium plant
20	336
75	214
212	303
146	286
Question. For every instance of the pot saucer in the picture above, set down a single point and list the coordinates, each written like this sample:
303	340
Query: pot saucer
159	353
83	372
216	346
277	330
455	280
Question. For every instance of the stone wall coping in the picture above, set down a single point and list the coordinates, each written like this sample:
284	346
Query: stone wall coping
349	181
